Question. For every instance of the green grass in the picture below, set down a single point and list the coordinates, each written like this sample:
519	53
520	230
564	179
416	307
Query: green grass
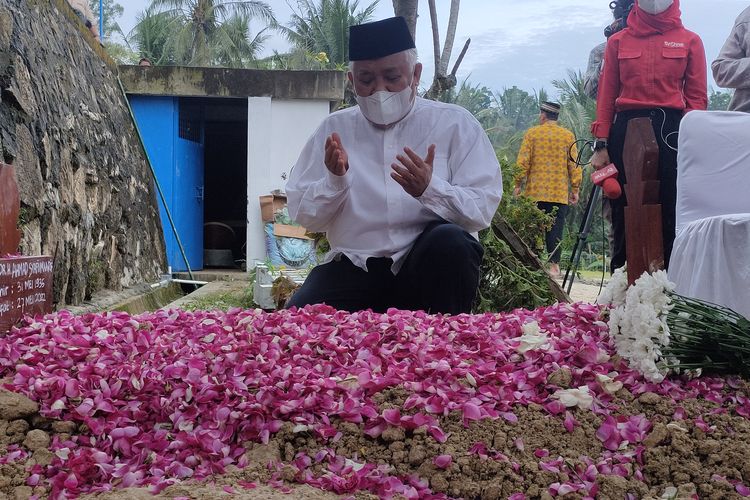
223	301
591	275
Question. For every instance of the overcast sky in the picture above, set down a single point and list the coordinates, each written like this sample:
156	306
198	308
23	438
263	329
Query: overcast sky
527	43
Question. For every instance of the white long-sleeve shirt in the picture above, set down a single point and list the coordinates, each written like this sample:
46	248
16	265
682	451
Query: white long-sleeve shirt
366	213
732	67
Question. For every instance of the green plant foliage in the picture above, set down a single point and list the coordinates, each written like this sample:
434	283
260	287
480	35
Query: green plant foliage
521	213
222	301
719	100
321	28
505	283
201	32
225	300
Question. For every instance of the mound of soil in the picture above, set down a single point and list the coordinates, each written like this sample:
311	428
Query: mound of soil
400	405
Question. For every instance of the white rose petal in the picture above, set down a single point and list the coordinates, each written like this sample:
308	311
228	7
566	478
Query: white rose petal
575	397
356	466
533	343
533	338
532	328
608	384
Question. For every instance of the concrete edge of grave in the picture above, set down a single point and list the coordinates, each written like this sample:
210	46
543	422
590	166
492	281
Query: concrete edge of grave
108	300
212	288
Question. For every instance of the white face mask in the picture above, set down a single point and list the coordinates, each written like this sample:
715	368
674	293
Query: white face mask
385	108
655	6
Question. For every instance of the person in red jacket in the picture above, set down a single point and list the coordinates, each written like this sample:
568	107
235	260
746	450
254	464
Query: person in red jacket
654	68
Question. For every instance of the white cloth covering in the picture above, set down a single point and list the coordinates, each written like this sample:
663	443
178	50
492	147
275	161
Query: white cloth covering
710	261
366	213
711	255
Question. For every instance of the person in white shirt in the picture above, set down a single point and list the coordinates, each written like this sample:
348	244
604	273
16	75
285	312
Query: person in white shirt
398	184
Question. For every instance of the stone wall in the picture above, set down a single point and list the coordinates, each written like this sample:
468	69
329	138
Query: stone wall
87	195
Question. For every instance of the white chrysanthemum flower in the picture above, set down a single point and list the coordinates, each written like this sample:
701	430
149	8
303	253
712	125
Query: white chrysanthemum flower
614	292
639	325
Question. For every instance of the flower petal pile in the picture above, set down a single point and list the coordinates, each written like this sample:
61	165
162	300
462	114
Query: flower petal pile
173	395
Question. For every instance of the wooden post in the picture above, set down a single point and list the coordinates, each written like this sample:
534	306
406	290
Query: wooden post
643	229
25	282
10	203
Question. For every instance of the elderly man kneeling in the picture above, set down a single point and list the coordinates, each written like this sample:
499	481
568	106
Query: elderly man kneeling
398	184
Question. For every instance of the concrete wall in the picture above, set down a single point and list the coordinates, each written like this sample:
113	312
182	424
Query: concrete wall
284	109
230	82
277	131
87	197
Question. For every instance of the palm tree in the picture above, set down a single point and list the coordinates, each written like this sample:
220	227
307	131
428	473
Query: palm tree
234	46
475	98
323	27
210	32
150	36
579	109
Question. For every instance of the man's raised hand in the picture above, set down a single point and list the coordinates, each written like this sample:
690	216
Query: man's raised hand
336	159
414	173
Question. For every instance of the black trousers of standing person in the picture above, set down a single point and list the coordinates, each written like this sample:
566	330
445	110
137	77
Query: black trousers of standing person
664	122
553	237
440	275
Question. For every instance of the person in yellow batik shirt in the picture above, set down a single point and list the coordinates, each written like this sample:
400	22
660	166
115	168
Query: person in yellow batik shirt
549	175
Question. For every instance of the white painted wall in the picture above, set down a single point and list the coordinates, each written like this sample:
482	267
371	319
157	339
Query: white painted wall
277	130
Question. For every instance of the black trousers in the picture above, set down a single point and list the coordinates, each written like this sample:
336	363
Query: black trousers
440	275
553	237
664	122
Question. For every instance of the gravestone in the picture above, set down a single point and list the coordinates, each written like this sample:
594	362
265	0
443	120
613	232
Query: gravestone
643	232
25	282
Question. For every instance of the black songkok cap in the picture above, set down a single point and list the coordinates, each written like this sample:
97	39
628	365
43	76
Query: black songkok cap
550	107
379	39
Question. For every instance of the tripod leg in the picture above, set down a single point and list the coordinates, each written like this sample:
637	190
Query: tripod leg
583	234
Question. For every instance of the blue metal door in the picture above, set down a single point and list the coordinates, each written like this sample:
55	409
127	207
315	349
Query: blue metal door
173	135
156	122
188	177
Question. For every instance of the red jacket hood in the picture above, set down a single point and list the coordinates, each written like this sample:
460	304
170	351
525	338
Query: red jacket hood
642	24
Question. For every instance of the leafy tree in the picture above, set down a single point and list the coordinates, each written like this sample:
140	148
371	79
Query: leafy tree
718	100
202	32
112	35
579	109
238	49
321	28
477	99
520	108
150	37
112	13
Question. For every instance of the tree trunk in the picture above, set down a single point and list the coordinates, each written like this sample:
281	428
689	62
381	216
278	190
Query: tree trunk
407	9
450	36
435	38
442	80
